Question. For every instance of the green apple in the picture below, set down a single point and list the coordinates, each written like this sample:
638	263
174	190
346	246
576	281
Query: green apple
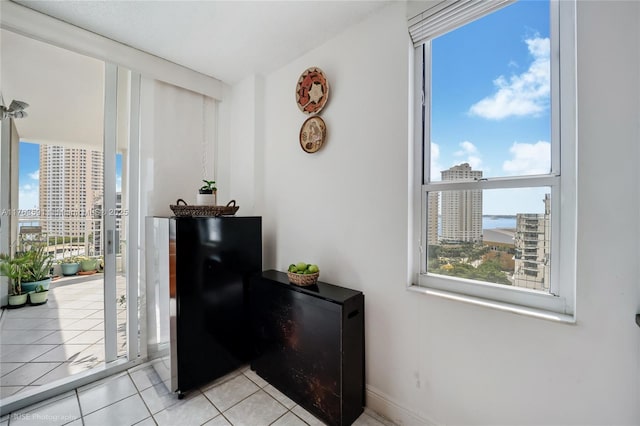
313	269
292	268
301	266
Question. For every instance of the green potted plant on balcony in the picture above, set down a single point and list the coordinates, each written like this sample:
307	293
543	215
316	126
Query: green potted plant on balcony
39	296
12	268
36	269
69	266
88	264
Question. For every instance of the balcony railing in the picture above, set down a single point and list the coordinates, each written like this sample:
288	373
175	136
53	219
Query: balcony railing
67	236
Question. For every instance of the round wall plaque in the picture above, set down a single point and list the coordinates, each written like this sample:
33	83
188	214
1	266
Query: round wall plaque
312	134
312	91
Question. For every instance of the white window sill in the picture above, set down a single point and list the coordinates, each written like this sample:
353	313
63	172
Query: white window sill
492	304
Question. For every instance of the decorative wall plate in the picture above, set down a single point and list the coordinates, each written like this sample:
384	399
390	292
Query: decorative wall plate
312	91
312	134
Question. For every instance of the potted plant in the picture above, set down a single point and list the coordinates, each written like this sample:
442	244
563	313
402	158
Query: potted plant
39	296
69	265
12	268
88	264
207	193
36	269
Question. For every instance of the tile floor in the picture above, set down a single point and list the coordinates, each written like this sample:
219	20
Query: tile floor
139	397
40	344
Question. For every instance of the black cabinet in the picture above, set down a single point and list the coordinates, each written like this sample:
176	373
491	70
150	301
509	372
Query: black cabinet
198	281
310	344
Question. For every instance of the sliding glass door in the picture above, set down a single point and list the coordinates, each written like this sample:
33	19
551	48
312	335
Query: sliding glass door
69	175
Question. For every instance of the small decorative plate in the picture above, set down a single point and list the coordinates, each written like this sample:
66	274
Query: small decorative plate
312	134
312	91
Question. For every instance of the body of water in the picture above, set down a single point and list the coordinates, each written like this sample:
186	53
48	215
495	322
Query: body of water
492	222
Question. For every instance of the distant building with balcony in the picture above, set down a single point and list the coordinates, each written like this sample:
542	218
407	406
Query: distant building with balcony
532	242
71	180
461	210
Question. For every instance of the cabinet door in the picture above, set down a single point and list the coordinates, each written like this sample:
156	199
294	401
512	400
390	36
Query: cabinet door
299	345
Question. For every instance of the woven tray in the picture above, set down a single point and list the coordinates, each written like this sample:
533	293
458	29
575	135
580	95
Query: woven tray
303	279
184	210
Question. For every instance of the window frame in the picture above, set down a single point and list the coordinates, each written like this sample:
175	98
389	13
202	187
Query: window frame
561	180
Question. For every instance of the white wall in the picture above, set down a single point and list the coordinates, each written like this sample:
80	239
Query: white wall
345	208
173	158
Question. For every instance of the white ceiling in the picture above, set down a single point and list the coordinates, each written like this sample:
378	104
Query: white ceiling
228	40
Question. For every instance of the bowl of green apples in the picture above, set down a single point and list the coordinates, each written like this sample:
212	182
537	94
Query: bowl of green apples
303	274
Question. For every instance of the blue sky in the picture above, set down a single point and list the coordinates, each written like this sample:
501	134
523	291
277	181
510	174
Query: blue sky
29	175
490	101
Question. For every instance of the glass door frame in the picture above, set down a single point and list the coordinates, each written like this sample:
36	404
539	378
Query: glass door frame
112	364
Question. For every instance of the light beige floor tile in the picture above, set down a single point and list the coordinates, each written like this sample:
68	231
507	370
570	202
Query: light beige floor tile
24	353
21	323
147	422
289	419
83	324
42	312
86	337
195	411
218	421
128	411
106	393
56	412
221	380
62	353
306	416
62	371
6	391
253	376
158	397
18	337
259	409
145	377
98	314
366	420
230	393
279	396
55	324
8	367
58	337
92	354
75	313
28	373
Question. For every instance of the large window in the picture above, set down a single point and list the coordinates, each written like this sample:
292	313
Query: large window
495	149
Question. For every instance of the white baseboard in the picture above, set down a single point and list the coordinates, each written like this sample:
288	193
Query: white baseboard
383	405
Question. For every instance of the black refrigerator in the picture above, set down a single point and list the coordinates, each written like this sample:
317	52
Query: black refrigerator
202	308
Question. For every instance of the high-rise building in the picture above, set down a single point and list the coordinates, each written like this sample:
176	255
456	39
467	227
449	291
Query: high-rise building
461	210
71	181
532	242
432	217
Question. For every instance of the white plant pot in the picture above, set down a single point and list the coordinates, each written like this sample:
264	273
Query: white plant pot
206	199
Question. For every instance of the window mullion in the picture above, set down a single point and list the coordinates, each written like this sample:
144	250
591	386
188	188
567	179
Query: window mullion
493	183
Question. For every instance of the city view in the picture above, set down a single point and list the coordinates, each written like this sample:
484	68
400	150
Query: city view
490	117
61	198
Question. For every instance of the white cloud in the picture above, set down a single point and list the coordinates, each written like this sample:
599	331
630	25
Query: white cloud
436	167
35	175
529	159
28	197
471	153
523	94
467	148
